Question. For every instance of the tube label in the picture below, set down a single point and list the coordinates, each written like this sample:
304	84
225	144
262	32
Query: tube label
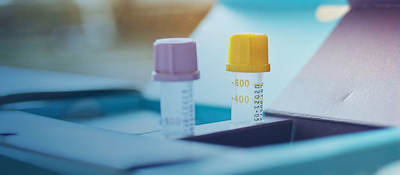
247	99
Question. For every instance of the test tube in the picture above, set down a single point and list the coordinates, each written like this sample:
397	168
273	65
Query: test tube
176	69
247	60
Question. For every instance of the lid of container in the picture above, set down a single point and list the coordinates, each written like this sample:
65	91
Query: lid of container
355	75
175	60
248	52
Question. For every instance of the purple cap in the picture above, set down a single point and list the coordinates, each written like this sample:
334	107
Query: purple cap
175	60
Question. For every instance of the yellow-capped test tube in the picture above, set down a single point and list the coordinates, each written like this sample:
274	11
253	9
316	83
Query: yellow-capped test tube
247	60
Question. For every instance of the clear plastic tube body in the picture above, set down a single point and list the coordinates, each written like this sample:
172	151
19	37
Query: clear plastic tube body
247	99
177	109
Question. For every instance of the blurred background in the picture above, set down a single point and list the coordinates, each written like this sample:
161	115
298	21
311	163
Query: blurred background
114	38
110	38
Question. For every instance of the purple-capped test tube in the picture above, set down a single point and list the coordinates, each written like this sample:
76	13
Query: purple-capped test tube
176	69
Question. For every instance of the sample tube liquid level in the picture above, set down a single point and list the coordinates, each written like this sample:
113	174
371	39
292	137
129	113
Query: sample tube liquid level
247	99
177	109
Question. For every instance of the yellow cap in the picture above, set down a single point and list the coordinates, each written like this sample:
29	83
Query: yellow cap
248	53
